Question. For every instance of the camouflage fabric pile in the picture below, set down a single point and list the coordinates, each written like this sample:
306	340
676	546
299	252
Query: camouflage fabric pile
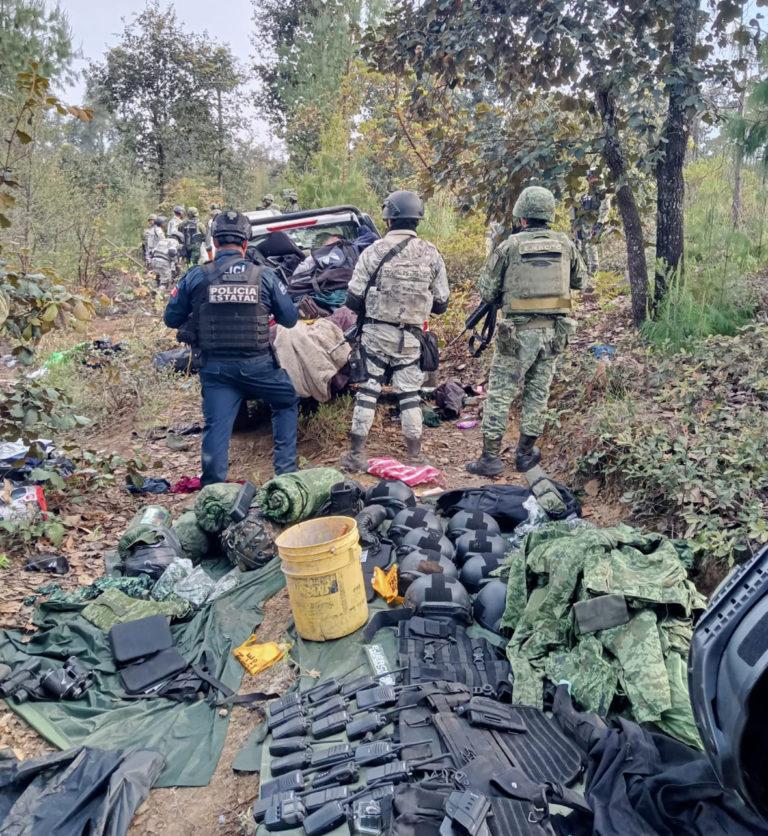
146	535
213	505
293	497
195	542
177	571
137	587
115	607
639	665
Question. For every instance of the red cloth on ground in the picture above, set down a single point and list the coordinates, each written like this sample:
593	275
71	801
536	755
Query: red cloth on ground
187	484
411	475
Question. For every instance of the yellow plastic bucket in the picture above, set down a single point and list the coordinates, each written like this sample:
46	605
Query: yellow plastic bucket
321	563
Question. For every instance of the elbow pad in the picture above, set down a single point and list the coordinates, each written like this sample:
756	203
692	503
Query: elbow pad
368	522
439	307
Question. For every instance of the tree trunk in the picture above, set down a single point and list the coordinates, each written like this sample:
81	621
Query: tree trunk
670	184
220	152
738	161
738	155
160	172
613	154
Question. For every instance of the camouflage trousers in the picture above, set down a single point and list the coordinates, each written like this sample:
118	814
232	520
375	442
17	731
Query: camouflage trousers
587	246
390	355
523	364
164	272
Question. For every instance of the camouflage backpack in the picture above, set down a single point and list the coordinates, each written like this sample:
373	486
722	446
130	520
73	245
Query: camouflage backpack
250	543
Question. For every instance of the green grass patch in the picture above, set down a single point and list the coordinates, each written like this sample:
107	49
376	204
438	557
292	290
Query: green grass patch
688	444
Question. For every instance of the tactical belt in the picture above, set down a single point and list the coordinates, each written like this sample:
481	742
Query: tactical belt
369	320
545	303
536	322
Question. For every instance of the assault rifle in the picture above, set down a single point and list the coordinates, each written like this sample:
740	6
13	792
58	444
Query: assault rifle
486	313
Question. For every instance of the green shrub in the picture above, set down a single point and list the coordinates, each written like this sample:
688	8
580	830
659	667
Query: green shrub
699	305
689	444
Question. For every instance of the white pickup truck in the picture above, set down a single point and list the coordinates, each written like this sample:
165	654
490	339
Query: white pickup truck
309	228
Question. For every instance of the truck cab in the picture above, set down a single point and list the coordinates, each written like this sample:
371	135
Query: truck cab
309	228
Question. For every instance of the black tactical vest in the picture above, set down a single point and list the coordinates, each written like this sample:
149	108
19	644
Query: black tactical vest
230	314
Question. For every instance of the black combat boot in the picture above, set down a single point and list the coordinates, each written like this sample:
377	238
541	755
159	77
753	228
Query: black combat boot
413	453
489	464
355	460
526	455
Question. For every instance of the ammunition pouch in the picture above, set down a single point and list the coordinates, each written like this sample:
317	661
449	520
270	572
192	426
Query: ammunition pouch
565	328
429	360
358	372
507	342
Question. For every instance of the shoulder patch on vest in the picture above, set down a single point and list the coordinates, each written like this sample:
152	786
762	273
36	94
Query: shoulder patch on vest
541	245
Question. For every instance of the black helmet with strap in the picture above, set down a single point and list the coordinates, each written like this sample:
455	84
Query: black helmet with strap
230	227
402	204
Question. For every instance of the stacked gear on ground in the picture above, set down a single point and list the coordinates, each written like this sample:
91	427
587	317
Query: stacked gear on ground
195	541
294	497
642	655
250	543
214	504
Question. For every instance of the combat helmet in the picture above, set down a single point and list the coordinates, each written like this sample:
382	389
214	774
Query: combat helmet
268	198
410	518
402	204
463	521
490	604
393	494
479	542
178	210
192	212
420	562
477	569
249	544
535	202
438	596
425	538
231	227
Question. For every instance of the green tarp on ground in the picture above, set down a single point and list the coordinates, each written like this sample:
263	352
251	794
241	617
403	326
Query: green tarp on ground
191	736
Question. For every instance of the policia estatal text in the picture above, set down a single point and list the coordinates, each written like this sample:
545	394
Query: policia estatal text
222	309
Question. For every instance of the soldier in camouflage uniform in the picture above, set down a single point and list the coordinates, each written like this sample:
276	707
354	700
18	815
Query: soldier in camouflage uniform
268	202
531	276
397	283
175	222
215	210
148	236
162	259
292	199
588	218
193	235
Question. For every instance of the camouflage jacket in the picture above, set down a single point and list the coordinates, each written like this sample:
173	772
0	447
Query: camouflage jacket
408	287
642	660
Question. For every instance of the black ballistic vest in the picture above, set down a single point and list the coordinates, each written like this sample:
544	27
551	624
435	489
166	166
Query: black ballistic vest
231	316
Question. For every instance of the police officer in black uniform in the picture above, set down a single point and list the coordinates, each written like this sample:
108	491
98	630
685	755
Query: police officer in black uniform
224	306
